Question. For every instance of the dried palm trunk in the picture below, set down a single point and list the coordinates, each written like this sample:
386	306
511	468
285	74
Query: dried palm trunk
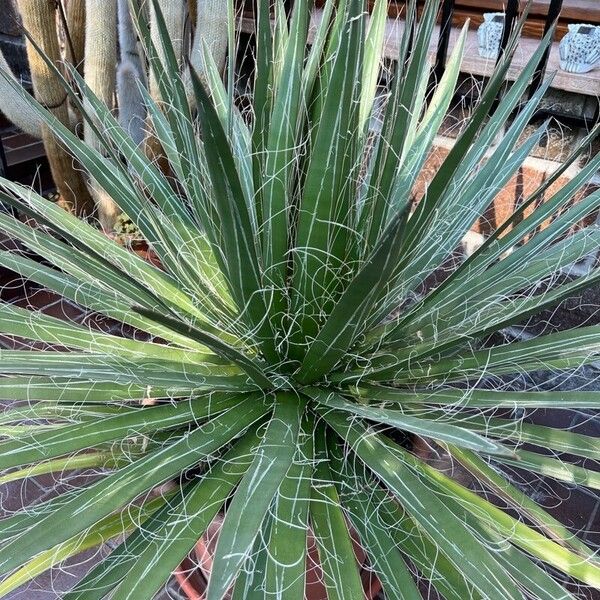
193	10
75	47
211	31
174	13
39	19
13	106
100	73
76	33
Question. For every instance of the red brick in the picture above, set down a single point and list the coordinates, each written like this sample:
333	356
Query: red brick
528	178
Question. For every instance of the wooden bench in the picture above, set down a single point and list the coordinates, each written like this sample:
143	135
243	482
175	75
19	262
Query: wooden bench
25	156
573	11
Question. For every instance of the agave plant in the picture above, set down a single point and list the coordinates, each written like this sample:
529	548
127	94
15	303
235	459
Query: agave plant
288	359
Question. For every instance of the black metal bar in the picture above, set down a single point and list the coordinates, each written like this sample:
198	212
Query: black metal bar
510	18
411	5
596	117
444	40
552	16
289	7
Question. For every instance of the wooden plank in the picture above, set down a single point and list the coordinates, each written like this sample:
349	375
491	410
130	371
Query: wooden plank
579	83
21	148
533	28
572	10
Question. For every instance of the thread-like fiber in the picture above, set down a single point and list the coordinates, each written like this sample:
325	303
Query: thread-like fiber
13	107
100	74
39	19
210	31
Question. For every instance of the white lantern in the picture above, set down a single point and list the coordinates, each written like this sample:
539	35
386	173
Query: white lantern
580	49
489	35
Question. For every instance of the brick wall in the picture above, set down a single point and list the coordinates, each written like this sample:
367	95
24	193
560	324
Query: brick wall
528	178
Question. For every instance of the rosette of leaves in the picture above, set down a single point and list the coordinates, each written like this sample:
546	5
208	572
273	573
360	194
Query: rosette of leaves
288	372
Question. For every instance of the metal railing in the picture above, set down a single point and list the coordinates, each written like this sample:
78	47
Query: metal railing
511	16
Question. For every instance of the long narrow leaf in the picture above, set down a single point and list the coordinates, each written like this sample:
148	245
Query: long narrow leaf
170	543
100	499
336	553
424	428
440	524
255	493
